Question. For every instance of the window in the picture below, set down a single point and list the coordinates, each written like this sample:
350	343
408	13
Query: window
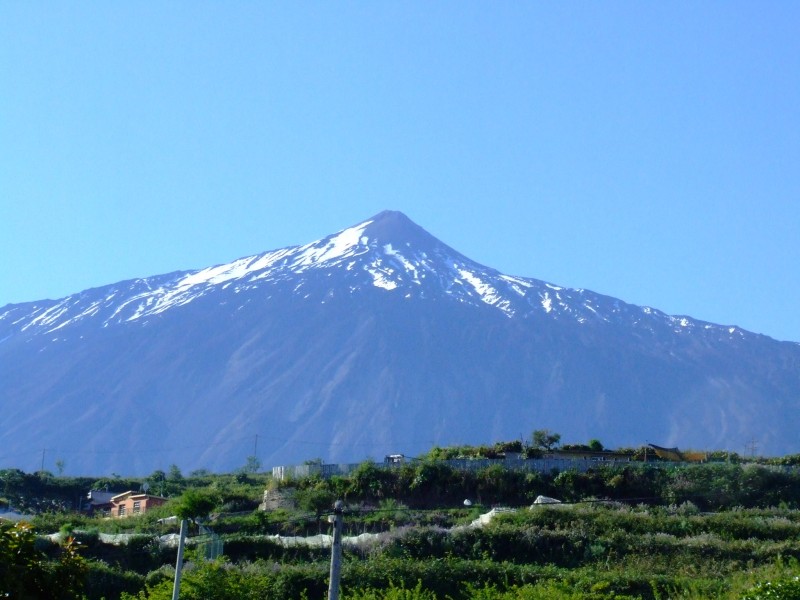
121	510
137	506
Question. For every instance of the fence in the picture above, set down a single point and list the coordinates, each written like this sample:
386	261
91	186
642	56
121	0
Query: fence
209	544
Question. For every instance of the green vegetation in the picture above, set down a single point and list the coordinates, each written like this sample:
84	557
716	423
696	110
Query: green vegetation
545	439
645	531
28	572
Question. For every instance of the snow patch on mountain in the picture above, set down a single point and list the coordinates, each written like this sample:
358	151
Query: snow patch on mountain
344	244
547	303
407	264
485	291
382	280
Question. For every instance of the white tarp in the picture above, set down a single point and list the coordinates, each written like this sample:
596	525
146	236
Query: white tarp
546	500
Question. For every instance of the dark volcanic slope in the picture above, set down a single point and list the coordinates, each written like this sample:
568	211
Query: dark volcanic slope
377	339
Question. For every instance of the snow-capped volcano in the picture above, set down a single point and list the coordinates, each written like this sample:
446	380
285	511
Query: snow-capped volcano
378	338
388	252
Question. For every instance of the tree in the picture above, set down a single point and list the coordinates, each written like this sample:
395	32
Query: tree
157	479
595	445
545	439
316	500
13	481
174	473
195	504
60	467
370	482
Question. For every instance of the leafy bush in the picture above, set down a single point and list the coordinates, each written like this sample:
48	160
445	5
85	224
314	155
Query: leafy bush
392	593
781	589
107	581
27	572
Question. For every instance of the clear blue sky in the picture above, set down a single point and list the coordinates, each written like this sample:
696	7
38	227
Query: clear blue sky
648	151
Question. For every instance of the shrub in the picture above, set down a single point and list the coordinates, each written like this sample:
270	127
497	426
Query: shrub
781	589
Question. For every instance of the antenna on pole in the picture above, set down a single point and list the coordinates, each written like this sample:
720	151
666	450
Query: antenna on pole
44	451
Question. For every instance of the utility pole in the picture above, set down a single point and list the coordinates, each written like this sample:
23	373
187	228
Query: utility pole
176	587
336	551
752	446
42	469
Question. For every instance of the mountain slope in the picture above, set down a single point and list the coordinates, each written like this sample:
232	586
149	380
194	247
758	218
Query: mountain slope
374	340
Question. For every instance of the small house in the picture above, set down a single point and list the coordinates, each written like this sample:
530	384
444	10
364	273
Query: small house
133	503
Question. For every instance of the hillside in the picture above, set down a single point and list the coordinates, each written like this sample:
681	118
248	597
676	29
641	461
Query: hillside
634	531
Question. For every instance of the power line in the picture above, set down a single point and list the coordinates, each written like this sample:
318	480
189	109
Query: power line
206	446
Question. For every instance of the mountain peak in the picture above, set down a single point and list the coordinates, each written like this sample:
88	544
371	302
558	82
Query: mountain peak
391	216
395	228
390	221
